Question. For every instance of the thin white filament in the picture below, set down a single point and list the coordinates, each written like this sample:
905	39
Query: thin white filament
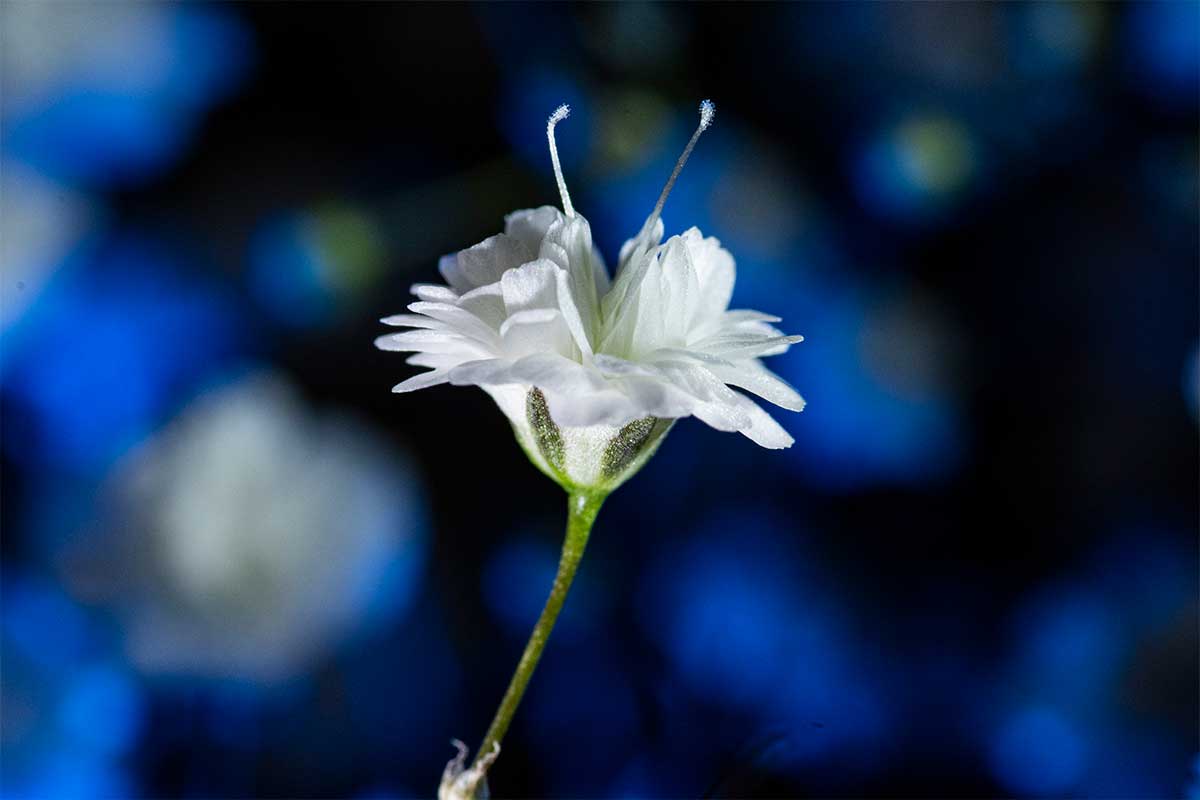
560	113
708	110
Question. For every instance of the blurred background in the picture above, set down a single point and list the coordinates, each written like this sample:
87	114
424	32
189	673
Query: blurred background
234	564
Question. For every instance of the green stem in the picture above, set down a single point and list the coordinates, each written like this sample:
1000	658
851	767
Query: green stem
582	508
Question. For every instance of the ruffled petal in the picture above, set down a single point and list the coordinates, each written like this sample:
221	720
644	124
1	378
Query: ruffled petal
533	285
484	263
715	272
568	243
529	225
536	330
681	292
454	317
542	284
486	303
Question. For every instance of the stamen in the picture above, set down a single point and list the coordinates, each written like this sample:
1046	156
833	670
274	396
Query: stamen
708	110
560	113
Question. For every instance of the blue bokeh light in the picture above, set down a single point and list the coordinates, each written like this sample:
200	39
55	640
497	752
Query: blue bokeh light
286	271
857	429
122	109
103	692
743	627
1038	751
584	696
72	712
45	625
517	579
1163	40
1071	645
119	337
533	95
917	169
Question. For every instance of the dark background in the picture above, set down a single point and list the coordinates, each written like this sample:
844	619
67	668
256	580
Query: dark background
974	574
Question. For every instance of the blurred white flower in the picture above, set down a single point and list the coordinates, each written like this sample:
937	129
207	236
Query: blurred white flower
258	536
574	359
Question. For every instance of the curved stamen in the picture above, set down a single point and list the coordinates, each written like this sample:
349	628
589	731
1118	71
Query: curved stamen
560	113
708	110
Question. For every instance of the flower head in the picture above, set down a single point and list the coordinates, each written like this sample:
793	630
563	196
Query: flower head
592	371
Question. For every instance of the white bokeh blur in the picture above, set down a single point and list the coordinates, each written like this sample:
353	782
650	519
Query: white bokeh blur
255	536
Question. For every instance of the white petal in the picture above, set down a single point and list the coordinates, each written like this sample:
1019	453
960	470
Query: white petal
484	263
762	382
697	381
429	341
434	293
744	346
457	318
681	292
647	386
581	332
614	367
422	380
609	407
722	416
716	273
483	372
532	285
553	371
568	243
655	397
600	273
486	303
740	315
451	274
542	284
536	330
763	429
637	247
435	360
529	226
619	307
412	321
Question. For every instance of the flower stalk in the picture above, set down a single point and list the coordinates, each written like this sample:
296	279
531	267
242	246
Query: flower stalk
582	508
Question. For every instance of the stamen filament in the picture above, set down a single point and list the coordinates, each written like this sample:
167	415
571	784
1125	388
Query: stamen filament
560	113
708	110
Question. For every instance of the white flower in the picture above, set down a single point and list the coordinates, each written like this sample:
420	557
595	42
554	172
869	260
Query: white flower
254	536
591	371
